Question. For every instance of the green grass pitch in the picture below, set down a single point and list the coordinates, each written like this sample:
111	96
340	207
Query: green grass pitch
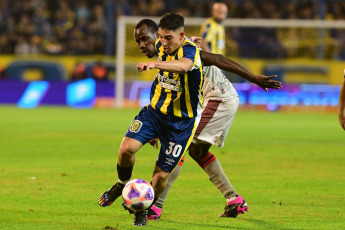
55	162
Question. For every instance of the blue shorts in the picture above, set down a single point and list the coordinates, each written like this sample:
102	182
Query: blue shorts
175	134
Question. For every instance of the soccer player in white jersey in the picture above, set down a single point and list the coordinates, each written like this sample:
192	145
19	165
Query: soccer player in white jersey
221	103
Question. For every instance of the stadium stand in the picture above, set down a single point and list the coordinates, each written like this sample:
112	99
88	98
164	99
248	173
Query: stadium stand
69	27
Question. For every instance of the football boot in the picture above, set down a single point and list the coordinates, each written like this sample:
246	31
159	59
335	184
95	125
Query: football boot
109	196
235	207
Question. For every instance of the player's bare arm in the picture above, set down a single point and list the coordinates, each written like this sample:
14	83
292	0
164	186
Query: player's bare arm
175	66
341	107
227	64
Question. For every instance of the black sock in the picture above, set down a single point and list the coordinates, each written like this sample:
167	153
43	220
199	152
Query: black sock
124	173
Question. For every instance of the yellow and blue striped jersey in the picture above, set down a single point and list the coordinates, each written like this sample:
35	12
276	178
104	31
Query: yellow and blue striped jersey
174	94
214	34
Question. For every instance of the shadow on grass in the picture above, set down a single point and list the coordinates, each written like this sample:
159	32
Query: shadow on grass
267	225
259	224
192	225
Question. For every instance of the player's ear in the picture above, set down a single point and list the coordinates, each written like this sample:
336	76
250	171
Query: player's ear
182	35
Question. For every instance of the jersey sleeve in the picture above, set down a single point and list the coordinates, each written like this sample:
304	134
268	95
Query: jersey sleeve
193	53
189	52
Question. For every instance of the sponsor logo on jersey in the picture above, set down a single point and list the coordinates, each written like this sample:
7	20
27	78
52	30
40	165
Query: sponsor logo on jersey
169	83
171	87
136	126
169	161
164	78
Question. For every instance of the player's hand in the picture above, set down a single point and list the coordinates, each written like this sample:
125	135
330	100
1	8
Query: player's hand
266	82
196	40
154	142
145	66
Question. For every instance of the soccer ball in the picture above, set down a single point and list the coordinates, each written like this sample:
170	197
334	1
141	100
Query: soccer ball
138	195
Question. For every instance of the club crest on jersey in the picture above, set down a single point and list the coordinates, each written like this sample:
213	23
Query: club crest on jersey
136	126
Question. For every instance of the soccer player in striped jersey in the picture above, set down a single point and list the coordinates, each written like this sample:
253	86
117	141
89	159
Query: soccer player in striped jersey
212	31
173	114
224	97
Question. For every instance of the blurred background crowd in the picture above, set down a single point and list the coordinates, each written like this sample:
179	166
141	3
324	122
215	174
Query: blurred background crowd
52	27
79	27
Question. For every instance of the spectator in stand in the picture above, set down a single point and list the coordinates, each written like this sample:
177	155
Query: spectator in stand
123	7
141	8
77	44
2	21
98	27
53	18
40	20
82	10
64	18
99	21
36	44
11	25
52	46
157	7
259	42
22	47
25	25
5	47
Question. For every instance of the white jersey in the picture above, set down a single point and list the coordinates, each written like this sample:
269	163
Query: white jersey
216	85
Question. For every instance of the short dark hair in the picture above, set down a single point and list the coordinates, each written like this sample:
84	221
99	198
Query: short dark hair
171	21
151	25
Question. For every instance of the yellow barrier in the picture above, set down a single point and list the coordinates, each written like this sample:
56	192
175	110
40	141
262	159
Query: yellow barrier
334	74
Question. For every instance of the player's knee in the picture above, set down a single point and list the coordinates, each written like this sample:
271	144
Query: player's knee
203	153
194	152
129	147
126	150
198	151
160	177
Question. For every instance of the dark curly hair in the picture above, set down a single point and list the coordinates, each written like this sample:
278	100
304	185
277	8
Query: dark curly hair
171	21
150	24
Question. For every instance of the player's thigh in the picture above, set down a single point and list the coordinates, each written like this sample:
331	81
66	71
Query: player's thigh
216	120
143	127
175	138
232	106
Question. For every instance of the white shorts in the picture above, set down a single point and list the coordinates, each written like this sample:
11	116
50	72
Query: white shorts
216	120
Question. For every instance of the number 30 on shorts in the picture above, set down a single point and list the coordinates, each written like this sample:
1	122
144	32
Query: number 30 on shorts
174	149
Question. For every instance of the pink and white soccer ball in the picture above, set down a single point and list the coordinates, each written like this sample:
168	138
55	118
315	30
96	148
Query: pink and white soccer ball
138	195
